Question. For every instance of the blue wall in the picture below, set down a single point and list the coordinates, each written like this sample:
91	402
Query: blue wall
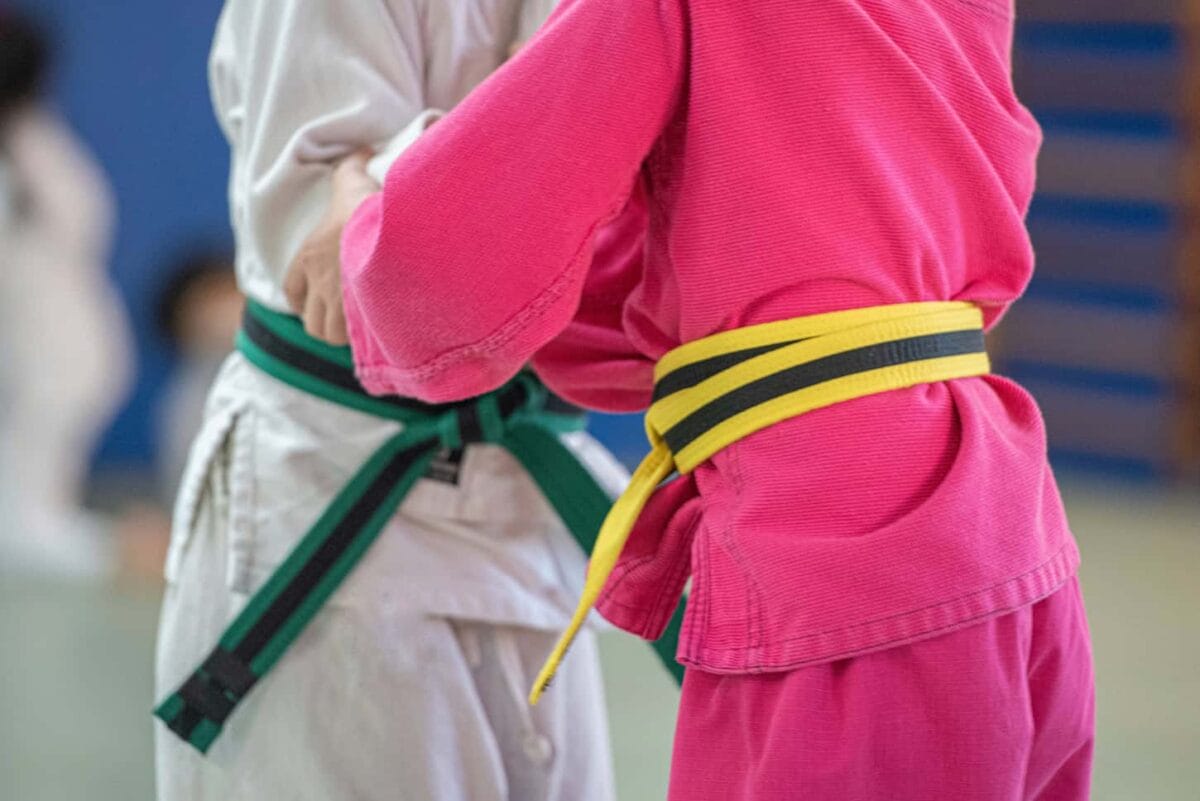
132	78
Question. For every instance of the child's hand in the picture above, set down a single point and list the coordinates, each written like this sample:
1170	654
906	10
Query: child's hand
314	280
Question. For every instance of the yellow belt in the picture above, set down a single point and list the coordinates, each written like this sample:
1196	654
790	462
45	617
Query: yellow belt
710	393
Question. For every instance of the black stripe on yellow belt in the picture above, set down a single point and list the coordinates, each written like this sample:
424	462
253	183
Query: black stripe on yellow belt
715	391
522	417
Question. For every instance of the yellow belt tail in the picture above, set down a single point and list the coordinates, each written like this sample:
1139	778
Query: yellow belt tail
654	469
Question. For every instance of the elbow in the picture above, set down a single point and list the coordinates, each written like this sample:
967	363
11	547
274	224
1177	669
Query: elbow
615	386
454	375
409	340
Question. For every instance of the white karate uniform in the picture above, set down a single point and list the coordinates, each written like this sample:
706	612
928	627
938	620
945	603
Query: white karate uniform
65	348
411	682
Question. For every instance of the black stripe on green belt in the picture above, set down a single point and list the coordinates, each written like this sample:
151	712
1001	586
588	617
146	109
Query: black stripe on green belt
521	417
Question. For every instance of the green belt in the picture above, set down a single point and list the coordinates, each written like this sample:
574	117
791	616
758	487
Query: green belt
522	417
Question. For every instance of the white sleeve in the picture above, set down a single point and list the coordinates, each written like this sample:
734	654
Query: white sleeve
371	81
223	79
463	45
299	85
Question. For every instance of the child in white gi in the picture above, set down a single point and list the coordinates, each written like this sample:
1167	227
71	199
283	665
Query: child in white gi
410	682
65	351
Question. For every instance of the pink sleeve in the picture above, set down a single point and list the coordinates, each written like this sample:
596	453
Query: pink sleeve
592	363
474	256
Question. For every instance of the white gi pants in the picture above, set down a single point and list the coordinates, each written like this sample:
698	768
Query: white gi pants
408	685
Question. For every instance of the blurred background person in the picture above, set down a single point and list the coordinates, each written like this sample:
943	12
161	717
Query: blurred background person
199	314
65	347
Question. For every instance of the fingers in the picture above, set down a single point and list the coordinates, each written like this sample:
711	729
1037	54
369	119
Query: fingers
353	168
359	159
335	325
295	284
319	304
352	184
315	311
313	282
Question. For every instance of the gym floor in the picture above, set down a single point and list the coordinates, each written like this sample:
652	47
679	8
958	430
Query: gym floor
76	668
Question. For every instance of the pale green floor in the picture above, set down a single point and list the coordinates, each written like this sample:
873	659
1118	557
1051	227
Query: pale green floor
75	671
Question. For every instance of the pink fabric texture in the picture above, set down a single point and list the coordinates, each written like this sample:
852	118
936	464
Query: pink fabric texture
999	711
649	172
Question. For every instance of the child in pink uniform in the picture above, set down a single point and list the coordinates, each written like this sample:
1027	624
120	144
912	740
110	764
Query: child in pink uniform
884	601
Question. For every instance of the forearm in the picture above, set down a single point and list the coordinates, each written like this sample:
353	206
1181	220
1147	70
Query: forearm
475	254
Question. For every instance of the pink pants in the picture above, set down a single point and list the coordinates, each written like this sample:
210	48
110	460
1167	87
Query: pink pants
1000	711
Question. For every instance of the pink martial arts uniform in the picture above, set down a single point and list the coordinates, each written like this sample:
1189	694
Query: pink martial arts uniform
900	564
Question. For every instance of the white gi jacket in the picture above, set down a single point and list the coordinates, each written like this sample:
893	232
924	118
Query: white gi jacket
298	85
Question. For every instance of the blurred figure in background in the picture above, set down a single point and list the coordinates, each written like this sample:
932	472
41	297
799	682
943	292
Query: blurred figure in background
199	310
65	348
199	313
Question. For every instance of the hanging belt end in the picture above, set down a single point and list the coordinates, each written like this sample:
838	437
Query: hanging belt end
198	732
555	660
542	683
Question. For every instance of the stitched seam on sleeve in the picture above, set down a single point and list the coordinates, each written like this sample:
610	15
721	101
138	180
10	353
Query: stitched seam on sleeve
517	324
